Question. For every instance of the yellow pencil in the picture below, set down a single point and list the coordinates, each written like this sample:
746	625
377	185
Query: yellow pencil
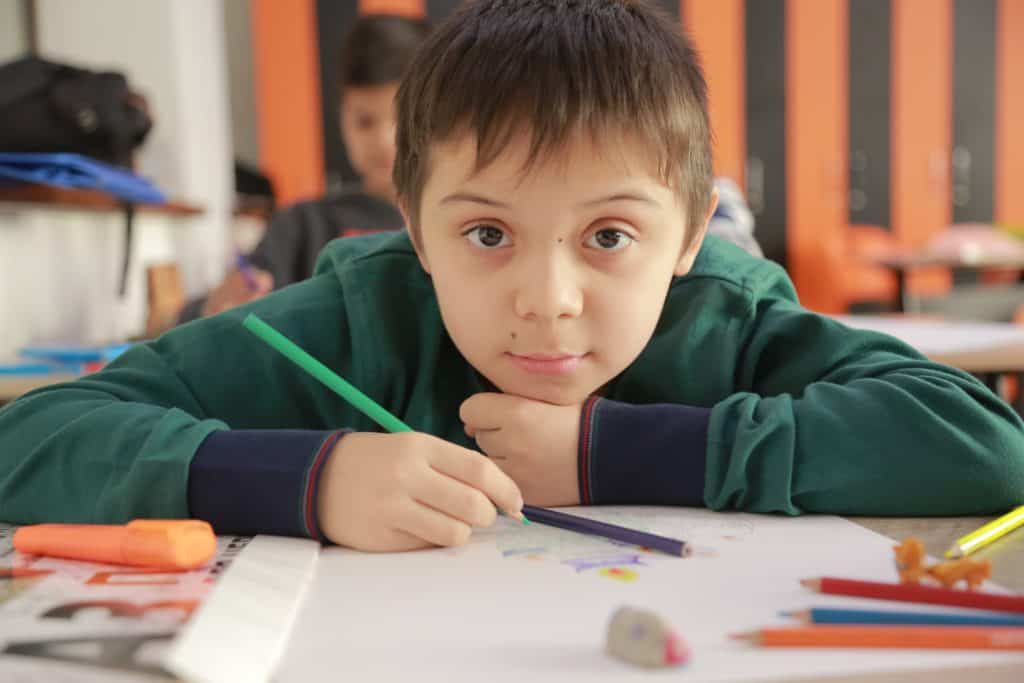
986	534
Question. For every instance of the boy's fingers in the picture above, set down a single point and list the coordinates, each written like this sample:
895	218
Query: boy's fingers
264	281
476	470
454	498
491	443
435	527
486	411
398	541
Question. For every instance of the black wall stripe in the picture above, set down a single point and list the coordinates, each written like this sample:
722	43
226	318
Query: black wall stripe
333	19
438	10
974	68
766	123
671	7
870	59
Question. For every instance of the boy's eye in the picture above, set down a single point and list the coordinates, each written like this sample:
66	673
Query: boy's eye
609	239
487	237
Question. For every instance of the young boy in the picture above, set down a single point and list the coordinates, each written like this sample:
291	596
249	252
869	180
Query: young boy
375	53
553	302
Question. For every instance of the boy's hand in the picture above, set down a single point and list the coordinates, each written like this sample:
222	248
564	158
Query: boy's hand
535	443
393	492
235	291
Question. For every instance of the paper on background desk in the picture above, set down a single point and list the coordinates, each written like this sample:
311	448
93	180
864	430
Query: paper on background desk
934	337
531	603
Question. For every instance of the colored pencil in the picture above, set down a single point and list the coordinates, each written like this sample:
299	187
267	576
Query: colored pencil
913	593
915	637
826	615
245	269
360	401
669	546
979	538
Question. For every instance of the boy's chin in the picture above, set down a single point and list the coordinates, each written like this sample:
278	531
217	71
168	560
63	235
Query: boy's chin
549	393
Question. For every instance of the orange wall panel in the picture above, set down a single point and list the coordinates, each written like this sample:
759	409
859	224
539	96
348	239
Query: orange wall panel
406	8
287	79
1009	148
816	149
718	31
922	118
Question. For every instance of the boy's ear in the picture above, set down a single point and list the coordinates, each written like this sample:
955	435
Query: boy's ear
692	243
412	238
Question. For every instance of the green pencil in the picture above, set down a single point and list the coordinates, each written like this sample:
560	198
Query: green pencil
360	401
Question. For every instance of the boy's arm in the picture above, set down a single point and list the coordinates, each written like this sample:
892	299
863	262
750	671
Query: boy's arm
826	419
110	448
149	436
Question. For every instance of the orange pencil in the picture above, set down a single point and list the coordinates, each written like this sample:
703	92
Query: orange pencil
172	544
916	637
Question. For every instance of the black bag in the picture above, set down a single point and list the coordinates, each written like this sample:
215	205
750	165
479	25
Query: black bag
50	107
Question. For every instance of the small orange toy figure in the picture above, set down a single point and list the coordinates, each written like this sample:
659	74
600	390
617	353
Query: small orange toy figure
910	560
911	567
972	572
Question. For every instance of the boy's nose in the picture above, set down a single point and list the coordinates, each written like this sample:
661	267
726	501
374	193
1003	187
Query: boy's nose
549	292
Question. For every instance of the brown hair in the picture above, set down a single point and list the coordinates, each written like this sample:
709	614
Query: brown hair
553	67
377	49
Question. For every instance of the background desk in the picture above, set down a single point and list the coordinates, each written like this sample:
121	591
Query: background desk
11	387
902	264
988	350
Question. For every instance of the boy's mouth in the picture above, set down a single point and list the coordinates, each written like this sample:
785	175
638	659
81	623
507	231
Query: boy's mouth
547	363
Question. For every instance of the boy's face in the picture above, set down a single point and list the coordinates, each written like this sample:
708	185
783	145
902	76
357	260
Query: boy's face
551	283
368	130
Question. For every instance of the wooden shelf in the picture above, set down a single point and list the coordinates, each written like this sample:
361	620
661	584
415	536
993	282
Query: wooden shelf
88	200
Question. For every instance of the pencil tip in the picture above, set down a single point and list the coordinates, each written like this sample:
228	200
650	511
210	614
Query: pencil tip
813	584
954	553
742	636
525	520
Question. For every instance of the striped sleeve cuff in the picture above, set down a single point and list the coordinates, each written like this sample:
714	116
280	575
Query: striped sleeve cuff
642	455
260	481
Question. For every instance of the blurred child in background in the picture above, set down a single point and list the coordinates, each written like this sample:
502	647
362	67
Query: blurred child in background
374	56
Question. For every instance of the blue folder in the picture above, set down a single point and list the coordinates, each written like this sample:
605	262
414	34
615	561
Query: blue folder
78	172
73	354
34	369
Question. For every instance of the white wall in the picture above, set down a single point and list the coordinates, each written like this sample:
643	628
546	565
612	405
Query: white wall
174	52
13	42
244	123
60	274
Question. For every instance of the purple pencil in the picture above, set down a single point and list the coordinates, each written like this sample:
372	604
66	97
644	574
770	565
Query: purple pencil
669	546
245	268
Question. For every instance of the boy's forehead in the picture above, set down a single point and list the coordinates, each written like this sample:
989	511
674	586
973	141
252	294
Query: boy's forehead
615	155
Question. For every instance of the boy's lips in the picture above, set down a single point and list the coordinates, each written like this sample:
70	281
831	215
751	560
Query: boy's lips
547	363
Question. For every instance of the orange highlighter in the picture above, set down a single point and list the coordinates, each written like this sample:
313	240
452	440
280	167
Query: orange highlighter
170	544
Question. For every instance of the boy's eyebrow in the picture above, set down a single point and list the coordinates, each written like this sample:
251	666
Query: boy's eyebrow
618	196
631	196
475	198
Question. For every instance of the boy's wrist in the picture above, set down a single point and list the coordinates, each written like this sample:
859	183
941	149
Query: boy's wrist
647	455
260	481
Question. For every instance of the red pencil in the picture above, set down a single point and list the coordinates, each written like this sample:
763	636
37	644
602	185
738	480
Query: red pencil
912	593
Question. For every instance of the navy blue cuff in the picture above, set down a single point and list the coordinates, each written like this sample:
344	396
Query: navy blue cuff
642	455
259	481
